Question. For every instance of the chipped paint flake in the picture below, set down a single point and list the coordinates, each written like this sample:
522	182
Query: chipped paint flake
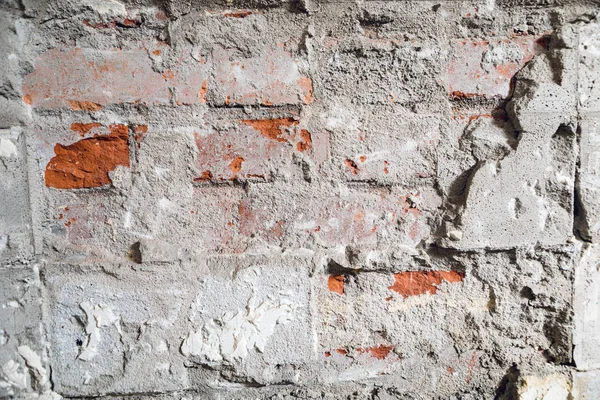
12	376
97	316
7	148
232	336
34	362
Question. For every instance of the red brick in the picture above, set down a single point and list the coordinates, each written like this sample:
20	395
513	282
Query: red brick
335	283
414	283
84	79
239	13
382	145
80	220
86	163
271	78
466	77
360	218
84	128
250	148
189	82
379	352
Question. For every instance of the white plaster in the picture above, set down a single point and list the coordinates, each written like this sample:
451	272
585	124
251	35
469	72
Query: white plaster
97	316
12	376
232	336
34	362
7	148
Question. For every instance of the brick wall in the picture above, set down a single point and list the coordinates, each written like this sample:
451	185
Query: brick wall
300	199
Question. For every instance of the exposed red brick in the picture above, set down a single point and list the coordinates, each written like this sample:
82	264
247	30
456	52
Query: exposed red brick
306	85
271	77
470	366
86	79
125	23
305	142
236	165
27	99
335	283
239	14
100	25
466	77
84	128
86	163
378	352
130	23
272	128
204	177
352	166
342	351
140	129
78	105
414	283
203	90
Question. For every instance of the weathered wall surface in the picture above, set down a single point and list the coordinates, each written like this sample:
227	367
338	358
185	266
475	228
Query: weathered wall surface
300	199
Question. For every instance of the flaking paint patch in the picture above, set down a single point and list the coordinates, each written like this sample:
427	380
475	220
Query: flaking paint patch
34	362
233	336
12	376
98	316
7	148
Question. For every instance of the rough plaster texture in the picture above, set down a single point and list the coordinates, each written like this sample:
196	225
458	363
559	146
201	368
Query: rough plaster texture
300	199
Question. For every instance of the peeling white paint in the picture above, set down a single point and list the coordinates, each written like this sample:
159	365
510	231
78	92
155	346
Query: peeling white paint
13	304
12	376
234	335
34	362
97	316
7	148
